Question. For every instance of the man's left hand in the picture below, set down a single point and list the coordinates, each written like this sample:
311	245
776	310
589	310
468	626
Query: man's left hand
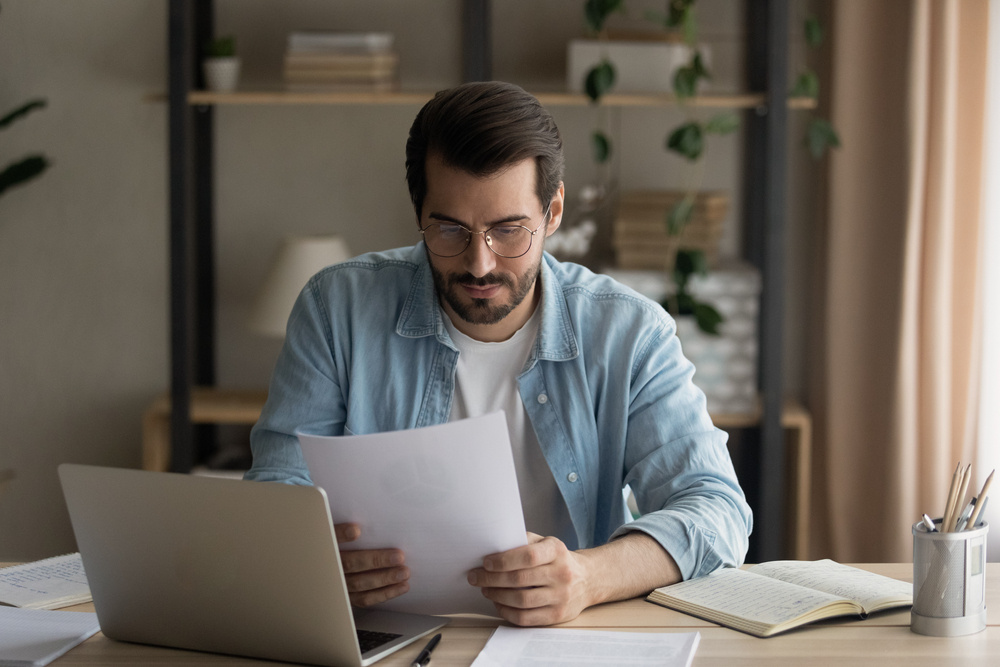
540	583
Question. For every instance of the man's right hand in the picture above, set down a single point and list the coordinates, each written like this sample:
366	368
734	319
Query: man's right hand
373	575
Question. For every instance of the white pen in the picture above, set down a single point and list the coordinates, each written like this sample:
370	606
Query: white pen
930	524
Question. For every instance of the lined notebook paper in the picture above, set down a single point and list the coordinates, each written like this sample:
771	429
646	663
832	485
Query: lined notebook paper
45	584
35	637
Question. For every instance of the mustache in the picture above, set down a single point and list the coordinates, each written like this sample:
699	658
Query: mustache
482	281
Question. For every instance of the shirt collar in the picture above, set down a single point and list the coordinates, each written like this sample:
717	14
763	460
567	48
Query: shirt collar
421	315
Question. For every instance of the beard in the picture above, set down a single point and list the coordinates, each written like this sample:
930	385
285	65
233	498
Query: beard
484	311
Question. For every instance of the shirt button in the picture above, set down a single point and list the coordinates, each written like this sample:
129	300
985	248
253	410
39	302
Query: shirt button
543	399
572	477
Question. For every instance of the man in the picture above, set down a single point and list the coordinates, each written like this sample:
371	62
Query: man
476	318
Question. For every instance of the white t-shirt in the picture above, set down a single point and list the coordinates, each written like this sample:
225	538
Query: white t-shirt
486	381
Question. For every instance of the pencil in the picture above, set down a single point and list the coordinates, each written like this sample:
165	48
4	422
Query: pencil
950	505
980	501
960	503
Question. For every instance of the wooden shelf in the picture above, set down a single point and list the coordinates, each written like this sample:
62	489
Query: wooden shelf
551	99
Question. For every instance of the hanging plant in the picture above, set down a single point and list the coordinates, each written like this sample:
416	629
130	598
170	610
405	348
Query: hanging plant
820	133
601	77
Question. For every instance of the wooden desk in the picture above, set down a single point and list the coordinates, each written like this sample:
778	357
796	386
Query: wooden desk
883	640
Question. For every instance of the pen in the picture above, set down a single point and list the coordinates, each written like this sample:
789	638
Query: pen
425	655
929	523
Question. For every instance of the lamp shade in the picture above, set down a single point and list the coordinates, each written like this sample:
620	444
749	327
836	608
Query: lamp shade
298	259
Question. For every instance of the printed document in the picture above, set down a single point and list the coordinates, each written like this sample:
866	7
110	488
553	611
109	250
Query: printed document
446	495
556	646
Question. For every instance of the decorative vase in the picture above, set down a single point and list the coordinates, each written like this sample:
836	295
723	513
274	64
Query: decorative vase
222	74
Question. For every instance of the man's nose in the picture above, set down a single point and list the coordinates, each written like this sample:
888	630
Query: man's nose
479	259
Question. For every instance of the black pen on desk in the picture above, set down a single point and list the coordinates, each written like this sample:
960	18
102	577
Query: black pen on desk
425	655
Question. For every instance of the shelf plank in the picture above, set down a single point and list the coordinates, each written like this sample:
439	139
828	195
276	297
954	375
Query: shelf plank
554	99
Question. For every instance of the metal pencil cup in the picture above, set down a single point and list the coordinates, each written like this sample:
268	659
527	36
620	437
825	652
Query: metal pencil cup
949	581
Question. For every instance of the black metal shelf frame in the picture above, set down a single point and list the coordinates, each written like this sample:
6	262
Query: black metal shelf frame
191	226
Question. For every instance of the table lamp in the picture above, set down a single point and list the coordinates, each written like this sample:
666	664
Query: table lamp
298	259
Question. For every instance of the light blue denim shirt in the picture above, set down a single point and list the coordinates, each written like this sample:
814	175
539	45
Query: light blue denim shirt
606	388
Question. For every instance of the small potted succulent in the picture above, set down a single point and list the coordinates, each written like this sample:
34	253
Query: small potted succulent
221	65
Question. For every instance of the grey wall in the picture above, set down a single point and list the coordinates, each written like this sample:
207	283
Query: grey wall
83	250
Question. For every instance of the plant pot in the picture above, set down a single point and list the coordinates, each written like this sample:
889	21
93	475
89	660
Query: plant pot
222	74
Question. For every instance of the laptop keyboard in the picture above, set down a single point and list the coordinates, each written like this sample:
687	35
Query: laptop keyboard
370	639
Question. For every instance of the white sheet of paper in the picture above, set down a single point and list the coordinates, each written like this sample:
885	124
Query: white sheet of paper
446	495
37	637
538	647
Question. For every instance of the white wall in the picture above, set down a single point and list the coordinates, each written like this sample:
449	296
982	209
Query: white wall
83	250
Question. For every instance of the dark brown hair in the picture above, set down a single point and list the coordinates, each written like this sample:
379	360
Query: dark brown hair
482	128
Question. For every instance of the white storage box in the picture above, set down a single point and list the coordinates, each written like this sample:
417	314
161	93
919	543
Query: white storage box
640	66
725	365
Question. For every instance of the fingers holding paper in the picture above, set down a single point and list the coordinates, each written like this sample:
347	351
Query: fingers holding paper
538	584
372	575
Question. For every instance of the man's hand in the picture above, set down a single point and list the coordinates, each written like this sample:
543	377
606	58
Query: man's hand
545	583
538	584
373	575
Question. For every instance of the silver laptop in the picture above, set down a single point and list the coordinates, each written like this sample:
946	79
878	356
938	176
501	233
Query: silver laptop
222	565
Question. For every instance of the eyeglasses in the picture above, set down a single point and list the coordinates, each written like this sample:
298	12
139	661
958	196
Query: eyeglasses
448	239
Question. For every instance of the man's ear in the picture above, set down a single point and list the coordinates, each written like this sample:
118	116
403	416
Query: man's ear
556	209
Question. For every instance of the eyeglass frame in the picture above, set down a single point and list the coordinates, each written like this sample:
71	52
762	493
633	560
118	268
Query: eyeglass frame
470	234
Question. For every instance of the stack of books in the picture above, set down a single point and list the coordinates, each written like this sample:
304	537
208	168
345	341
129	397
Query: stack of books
641	239
341	61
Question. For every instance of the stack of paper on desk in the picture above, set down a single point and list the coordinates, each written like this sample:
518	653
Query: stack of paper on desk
446	495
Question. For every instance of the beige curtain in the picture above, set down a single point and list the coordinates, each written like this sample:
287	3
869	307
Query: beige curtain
892	382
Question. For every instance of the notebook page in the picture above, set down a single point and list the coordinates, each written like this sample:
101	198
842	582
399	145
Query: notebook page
745	595
864	587
42	583
38	636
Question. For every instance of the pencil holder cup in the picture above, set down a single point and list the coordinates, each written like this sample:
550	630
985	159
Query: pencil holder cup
949	581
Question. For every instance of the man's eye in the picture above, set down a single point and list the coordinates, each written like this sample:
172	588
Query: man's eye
505	232
451	231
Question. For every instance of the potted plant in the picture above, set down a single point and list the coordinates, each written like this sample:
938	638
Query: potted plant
221	65
26	168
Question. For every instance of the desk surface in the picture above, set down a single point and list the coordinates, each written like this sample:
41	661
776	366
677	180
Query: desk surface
883	639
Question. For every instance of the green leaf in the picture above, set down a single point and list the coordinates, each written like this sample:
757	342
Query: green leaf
686	78
694	260
723	123
22	110
685	82
707	318
601	146
814	32
679	215
22	171
597	11
807	85
687	140
821	136
599	80
678	12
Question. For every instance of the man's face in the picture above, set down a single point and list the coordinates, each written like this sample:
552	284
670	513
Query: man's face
488	297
